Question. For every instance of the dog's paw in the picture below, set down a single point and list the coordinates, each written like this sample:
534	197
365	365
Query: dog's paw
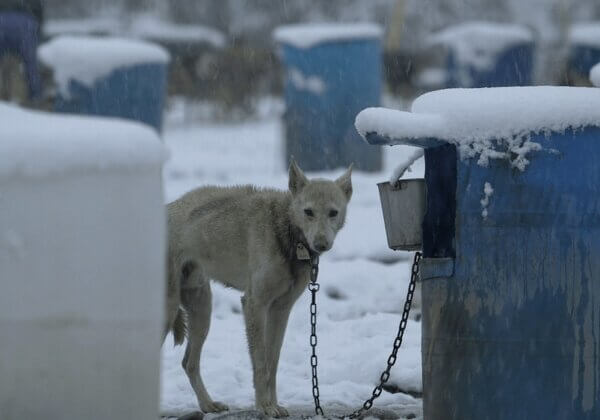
214	407
274	410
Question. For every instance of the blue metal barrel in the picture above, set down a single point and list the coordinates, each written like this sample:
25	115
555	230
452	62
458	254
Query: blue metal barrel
108	76
511	295
514	331
512	67
584	49
328	81
582	58
485	54
134	92
19	35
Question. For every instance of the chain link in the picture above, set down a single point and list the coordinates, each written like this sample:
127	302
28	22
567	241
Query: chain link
385	375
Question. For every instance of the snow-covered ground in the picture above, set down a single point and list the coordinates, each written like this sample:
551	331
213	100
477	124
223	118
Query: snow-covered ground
363	286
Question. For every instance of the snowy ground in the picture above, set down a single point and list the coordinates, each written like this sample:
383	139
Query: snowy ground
363	287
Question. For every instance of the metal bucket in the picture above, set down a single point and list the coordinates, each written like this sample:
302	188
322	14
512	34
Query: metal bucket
403	205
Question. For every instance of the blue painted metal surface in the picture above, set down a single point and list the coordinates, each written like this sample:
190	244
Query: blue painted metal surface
582	58
511	302
512	67
19	35
515	331
319	123
134	92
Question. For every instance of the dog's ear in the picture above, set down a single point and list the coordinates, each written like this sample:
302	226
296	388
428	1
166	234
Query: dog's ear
345	182
297	179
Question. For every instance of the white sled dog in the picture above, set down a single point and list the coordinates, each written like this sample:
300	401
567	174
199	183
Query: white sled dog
257	241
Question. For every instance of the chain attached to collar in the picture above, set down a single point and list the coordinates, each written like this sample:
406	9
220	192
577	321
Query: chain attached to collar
313	286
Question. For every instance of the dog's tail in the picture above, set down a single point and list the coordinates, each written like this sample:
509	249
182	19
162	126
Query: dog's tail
179	327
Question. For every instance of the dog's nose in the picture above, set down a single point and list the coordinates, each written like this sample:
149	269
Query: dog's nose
321	246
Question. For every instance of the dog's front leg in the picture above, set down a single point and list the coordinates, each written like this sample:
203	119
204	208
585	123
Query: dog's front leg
277	318
255	314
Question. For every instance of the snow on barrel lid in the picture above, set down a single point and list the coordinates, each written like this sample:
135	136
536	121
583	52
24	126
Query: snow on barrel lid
87	58
147	26
108	25
485	122
37	143
502	33
310	34
586	33
595	75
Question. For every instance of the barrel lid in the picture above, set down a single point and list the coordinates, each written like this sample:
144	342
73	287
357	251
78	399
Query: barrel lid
484	122
585	33
311	34
149	27
36	144
495	32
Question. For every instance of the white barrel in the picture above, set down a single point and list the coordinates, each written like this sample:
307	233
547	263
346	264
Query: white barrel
82	245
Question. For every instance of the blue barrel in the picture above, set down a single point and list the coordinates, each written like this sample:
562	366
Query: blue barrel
19	35
132	86
584	49
511	275
332	72
484	54
134	92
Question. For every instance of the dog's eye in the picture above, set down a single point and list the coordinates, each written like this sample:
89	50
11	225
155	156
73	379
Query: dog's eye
333	213
309	212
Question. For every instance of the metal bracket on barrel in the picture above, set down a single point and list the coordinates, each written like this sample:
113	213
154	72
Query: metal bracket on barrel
436	268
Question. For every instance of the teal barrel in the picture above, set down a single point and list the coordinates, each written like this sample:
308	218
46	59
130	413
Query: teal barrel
584	49
486	54
109	77
332	72
511	234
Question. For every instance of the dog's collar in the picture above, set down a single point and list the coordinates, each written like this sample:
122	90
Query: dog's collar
300	251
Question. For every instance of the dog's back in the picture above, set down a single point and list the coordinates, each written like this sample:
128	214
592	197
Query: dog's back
203	204
220	227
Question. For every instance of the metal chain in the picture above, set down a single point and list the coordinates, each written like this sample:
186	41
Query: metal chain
385	375
314	288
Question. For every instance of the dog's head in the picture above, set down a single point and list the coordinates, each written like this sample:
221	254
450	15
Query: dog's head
319	206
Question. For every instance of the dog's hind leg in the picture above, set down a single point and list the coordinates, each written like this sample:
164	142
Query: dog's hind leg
173	299
197	302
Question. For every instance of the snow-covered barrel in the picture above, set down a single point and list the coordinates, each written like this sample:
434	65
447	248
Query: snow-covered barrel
108	76
511	238
584	50
486	54
82	243
595	75
332	72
